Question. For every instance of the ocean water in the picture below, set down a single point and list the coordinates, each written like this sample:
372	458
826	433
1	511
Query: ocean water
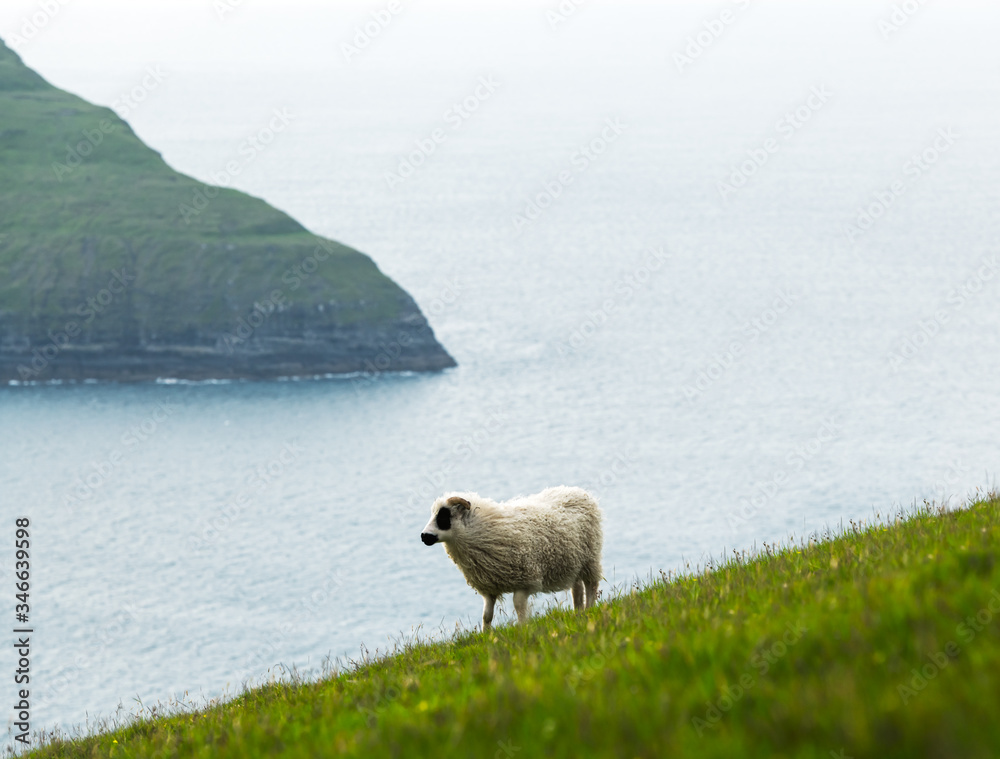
731	266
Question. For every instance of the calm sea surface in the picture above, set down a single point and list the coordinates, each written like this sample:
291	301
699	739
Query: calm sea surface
654	272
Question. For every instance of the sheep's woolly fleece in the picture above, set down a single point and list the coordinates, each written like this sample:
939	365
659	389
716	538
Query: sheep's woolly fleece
539	543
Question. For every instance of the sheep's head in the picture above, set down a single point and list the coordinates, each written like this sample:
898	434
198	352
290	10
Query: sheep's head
449	514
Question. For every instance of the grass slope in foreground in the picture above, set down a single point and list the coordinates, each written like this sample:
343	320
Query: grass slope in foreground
115	266
884	642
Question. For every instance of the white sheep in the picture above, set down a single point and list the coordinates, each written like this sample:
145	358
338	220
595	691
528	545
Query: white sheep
534	544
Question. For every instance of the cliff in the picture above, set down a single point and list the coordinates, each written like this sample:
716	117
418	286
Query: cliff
114	266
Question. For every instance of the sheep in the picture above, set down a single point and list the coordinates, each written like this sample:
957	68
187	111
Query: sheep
533	544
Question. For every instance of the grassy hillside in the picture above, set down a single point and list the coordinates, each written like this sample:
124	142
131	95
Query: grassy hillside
81	197
883	642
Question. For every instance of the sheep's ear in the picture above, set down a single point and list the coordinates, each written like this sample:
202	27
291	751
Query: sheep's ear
459	503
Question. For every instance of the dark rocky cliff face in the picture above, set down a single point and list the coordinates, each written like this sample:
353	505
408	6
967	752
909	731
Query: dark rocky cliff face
248	353
115	267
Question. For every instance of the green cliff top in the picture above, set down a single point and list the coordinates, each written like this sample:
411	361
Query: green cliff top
85	204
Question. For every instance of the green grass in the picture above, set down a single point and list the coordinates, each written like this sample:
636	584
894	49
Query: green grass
66	223
802	651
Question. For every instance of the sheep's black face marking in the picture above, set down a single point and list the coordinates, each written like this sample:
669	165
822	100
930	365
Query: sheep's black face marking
444	519
428	539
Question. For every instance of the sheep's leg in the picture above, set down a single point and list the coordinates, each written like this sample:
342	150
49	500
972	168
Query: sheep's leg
489	601
521	605
591	586
578	594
